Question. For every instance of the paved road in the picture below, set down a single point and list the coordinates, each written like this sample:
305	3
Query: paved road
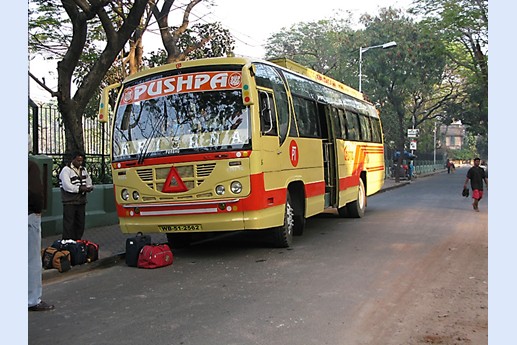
325	290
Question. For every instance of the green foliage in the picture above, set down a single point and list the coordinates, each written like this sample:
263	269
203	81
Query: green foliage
403	79
463	25
200	41
49	29
323	46
463	154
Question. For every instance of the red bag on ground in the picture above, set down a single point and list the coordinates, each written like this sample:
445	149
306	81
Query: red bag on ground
154	256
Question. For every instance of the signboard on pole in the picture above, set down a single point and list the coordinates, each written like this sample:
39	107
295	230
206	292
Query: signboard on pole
412	132
412	145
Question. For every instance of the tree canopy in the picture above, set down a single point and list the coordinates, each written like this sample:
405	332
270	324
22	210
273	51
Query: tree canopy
436	73
97	43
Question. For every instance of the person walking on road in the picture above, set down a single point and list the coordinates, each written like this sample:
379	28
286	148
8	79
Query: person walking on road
34	238
448	165
476	175
75	183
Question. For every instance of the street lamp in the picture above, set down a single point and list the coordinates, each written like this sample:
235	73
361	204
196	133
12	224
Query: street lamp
363	50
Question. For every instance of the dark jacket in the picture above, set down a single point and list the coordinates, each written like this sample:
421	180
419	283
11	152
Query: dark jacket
35	189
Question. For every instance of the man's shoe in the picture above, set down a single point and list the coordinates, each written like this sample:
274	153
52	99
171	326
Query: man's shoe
41	306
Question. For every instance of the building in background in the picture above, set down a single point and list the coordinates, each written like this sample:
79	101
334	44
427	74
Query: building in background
452	136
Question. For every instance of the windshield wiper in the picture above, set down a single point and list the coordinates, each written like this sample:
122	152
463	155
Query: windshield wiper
143	155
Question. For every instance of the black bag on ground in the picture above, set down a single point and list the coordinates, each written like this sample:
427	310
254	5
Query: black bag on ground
92	250
55	258
133	247
77	250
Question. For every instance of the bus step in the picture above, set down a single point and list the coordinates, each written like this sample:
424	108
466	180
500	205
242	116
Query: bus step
327	200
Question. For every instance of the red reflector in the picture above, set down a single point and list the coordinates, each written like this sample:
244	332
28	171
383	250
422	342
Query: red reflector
173	183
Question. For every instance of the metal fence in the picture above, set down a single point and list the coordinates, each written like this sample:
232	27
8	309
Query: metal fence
47	134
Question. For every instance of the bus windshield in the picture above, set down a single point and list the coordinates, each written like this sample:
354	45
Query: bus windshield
180	124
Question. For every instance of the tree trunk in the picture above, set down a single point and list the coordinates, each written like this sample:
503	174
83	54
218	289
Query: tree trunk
72	108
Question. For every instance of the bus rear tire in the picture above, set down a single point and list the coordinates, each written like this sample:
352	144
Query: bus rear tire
283	235
355	209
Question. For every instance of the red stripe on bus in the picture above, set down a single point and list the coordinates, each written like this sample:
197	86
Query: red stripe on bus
348	182
196	157
378	168
314	189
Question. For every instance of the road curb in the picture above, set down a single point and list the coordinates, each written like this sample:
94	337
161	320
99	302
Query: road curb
49	275
400	184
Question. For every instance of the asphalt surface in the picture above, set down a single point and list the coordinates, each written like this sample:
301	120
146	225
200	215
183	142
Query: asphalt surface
112	242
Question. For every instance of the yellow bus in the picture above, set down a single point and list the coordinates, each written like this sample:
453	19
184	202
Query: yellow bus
232	144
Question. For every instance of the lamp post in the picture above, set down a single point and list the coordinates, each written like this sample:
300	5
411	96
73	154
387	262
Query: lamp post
434	147
365	49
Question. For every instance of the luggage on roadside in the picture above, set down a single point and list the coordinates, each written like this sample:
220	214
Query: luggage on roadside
92	250
77	250
155	256
56	258
133	247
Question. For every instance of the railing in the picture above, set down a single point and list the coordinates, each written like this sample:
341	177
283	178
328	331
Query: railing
421	167
48	138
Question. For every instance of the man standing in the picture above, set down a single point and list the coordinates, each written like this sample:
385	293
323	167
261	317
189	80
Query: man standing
75	183
476	175
34	237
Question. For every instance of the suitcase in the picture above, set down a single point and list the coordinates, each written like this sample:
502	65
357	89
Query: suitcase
77	250
92	250
154	256
133	247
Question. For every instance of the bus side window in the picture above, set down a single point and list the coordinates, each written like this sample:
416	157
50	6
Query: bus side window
376	130
352	125
268	124
336	126
342	120
306	117
366	132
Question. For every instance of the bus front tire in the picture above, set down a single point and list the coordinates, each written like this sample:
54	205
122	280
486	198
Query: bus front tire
283	235
179	240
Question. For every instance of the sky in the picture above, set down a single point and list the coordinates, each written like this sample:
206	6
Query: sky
250	24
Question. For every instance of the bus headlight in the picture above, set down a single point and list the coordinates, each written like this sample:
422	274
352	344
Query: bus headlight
136	195
124	194
236	187
219	190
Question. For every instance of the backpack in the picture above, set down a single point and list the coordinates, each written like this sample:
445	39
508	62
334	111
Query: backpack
55	258
154	256
92	250
77	250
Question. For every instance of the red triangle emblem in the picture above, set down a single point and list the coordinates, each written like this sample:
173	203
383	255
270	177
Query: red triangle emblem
173	183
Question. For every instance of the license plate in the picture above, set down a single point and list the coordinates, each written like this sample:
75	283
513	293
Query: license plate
185	227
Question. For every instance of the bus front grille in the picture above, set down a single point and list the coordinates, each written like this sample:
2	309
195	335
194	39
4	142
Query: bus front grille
192	175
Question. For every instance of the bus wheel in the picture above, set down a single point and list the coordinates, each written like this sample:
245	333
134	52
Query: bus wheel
283	235
180	240
356	208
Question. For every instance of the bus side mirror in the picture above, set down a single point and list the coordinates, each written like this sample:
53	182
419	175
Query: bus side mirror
104	102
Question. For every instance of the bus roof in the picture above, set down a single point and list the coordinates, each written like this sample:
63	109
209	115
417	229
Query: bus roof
316	76
283	62
189	63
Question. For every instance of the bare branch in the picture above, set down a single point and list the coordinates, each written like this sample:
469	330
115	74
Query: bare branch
43	85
